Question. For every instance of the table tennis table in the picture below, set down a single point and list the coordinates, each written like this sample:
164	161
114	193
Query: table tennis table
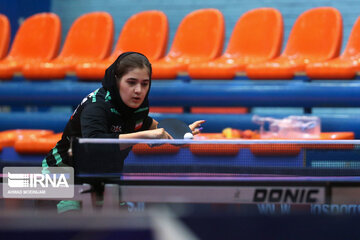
315	174
235	179
232	191
227	189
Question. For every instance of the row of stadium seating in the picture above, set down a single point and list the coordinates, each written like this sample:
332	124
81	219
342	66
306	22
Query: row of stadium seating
41	141
253	49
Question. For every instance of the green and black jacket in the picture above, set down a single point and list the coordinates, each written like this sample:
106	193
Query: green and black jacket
102	114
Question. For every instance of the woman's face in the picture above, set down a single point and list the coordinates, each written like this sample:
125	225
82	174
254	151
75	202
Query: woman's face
134	86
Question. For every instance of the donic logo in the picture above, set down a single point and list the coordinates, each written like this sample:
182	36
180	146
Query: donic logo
33	180
287	195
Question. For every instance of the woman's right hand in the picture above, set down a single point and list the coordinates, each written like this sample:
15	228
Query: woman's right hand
159	133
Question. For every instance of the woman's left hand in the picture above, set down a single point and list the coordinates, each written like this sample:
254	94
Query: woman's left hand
195	126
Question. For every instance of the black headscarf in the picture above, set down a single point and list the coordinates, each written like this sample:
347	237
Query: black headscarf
109	83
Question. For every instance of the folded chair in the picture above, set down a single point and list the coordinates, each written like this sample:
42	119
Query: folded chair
199	38
257	37
4	35
89	39
145	32
38	39
9	137
343	67
37	144
315	36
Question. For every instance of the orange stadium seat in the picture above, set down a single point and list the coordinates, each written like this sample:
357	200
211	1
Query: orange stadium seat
36	145
145	32
268	149
246	45
38	39
219	110
90	38
153	109
343	67
9	137
4	35
316	36
199	38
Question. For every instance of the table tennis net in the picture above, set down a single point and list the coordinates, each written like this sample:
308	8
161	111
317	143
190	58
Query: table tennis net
270	157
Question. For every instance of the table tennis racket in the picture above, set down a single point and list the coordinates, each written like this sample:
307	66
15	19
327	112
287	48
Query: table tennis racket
176	128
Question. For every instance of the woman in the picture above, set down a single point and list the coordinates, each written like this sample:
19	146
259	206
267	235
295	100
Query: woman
119	109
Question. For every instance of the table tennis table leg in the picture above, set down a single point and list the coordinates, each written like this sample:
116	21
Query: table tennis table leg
83	195
111	197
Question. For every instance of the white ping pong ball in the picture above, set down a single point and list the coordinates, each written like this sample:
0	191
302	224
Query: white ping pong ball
188	136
